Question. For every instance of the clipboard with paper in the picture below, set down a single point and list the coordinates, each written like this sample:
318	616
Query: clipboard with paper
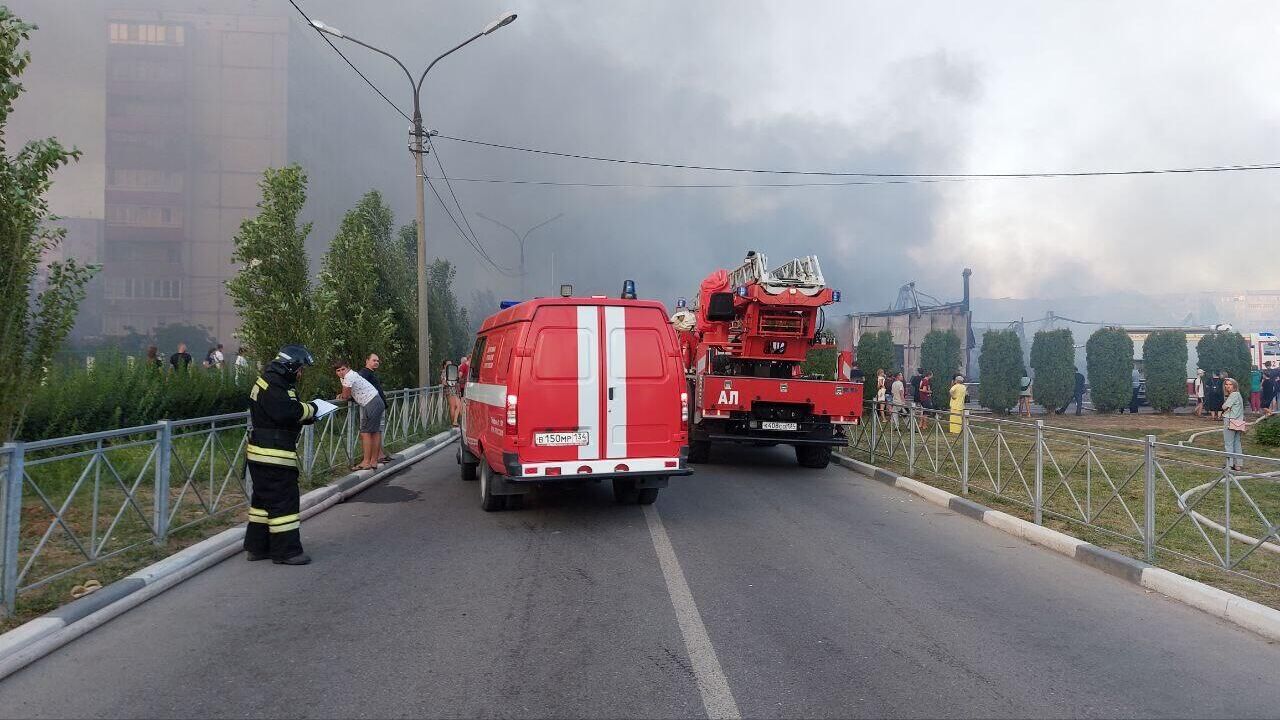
323	407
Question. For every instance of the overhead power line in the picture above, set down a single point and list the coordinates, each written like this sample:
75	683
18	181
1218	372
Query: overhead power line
863	174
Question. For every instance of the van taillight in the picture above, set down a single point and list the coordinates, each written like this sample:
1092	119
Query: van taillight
684	411
511	412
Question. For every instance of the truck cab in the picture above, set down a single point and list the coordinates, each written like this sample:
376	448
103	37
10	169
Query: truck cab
572	389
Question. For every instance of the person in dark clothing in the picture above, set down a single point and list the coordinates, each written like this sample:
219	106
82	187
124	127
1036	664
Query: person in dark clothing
369	372
1077	396
1213	395
1268	388
856	374
180	360
153	357
276	418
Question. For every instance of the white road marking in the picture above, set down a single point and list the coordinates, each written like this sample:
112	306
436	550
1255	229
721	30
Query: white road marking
712	684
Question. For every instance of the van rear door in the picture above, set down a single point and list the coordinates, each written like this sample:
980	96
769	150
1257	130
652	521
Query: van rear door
560	395
642	403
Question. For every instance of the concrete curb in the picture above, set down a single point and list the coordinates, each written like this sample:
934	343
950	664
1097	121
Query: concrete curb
1246	613
41	636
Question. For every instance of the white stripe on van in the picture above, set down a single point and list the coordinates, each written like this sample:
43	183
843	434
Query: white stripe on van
615	332
589	380
495	395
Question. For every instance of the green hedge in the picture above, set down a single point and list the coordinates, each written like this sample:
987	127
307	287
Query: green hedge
1267	431
875	352
1164	358
1001	368
1053	357
114	395
1226	351
1109	356
940	355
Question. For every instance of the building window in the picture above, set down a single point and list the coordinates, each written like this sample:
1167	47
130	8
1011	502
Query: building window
120	33
144	216
146	180
142	289
141	251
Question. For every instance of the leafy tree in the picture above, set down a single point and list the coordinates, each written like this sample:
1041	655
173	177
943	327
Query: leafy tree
1000	366
33	321
448	326
875	352
359	322
1164	357
940	355
821	361
272	288
1267	431
1053	357
1109	357
483	304
1226	351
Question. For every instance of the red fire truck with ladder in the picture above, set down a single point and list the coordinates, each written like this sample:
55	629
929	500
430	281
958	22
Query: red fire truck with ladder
743	342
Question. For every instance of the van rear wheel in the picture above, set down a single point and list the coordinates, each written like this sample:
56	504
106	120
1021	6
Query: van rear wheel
625	491
646	496
699	451
813	456
488	501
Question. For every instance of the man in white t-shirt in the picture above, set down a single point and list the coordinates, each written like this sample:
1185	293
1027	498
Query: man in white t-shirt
371	405
219	360
898	393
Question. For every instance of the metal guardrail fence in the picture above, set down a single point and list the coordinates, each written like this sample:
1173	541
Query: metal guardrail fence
72	502
1168	500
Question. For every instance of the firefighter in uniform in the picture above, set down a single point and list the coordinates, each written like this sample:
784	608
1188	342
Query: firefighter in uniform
276	418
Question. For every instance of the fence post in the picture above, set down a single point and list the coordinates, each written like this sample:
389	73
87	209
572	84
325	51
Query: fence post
964	453
875	436
1039	501
911	448
10	517
1149	500
160	504
349	431
308	449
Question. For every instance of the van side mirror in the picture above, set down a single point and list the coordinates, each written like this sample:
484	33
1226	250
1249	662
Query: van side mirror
720	307
450	374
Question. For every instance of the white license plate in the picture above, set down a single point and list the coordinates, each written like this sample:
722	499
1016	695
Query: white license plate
560	439
779	426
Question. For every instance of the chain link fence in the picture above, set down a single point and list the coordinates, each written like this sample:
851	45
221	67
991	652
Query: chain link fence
70	503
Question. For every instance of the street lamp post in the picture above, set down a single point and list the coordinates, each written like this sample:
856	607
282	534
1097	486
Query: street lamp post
424	356
520	238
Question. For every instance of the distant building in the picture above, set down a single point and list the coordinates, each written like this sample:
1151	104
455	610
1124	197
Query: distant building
912	317
178	106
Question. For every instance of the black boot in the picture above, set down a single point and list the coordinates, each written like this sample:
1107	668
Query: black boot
299	559
255	557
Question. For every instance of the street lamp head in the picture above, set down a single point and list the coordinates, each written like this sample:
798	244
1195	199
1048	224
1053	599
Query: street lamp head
326	28
504	20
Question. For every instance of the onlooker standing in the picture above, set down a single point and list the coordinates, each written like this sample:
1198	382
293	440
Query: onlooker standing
1268	389
219	360
898	392
153	357
450	392
1024	396
924	395
241	362
1233	425
366	396
369	372
958	394
856	374
1135	381
1077	395
208	362
1255	390
880	395
1198	387
1213	395
180	360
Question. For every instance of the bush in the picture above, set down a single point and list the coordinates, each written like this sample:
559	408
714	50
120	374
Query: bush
1109	356
1226	351
1267	431
1053	357
116	395
1164	357
1000	366
940	355
821	361
875	352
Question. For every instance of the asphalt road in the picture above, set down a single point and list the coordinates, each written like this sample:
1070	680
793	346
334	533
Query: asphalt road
822	593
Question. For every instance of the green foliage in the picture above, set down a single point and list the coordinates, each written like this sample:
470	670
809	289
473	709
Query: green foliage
875	352
1267	431
1053	357
397	284
448	324
117	393
1109	357
272	288
33	322
1000	366
1164	358
1226	351
940	355
357	319
821	361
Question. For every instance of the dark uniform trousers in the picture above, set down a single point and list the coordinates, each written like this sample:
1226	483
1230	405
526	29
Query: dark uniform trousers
271	459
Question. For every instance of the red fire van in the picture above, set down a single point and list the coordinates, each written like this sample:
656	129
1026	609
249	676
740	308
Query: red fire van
572	389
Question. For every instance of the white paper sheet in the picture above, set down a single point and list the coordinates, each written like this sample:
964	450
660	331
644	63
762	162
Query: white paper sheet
323	407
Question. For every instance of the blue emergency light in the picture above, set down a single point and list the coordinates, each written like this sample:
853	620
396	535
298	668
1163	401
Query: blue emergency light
682	303
628	289
508	303
742	291
835	296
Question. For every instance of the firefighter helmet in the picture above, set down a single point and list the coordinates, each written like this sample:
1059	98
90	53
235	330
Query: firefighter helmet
293	358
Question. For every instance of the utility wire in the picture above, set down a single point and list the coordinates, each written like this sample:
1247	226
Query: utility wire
464	235
449	186
369	82
946	176
705	186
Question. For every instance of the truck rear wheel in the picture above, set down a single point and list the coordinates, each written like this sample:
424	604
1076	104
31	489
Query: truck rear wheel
813	456
699	451
646	496
488	501
625	491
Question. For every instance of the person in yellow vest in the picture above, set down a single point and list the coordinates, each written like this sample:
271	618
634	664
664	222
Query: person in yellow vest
958	394
276	417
